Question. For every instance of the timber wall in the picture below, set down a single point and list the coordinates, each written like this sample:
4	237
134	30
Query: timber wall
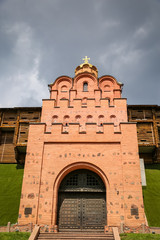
14	125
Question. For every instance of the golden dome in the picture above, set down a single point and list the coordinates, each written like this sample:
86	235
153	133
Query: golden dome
86	67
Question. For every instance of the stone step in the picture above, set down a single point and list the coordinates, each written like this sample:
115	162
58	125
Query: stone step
77	236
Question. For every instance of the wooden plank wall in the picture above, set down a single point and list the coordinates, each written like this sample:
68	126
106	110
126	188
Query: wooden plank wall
23	133
29	116
137	114
148	124
7	153
9	118
14	125
145	133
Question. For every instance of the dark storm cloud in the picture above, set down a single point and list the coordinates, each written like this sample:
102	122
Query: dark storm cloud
40	40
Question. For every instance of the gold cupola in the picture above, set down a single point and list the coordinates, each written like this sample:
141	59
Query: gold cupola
86	67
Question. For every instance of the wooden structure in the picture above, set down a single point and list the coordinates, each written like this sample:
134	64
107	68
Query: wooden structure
14	124
148	130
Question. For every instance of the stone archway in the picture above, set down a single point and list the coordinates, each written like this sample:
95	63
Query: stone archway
81	201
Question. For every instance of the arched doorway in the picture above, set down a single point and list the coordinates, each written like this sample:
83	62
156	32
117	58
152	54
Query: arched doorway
82	201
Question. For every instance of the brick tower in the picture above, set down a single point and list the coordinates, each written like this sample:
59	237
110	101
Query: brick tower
82	167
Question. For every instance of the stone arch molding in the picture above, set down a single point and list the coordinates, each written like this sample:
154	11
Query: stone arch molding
66	170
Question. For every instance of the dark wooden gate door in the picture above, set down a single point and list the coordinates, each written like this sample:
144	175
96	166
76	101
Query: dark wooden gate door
82	203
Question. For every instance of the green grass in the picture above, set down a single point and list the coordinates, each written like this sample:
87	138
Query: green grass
151	195
138	236
11	176
14	236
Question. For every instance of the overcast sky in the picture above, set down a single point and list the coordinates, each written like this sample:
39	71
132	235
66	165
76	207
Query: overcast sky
43	39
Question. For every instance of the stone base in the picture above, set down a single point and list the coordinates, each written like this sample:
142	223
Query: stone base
54	228
134	229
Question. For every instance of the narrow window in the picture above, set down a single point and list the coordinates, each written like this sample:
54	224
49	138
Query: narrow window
101	120
85	87
78	118
84	101
66	120
113	119
89	118
54	119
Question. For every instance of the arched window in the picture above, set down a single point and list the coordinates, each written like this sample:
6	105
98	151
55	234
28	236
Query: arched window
78	118
54	119
100	119
113	118
84	101
66	120
85	87
64	98
89	118
64	88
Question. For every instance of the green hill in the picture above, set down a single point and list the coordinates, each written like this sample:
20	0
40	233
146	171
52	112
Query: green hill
11	176
151	195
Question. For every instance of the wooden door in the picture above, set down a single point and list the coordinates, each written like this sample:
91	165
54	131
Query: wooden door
82	202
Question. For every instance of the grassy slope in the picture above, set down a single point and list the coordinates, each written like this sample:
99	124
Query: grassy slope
137	236
14	236
10	189
152	195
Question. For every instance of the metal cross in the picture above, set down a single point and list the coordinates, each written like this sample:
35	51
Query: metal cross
85	59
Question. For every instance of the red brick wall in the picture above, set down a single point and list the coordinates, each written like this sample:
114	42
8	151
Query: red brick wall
74	135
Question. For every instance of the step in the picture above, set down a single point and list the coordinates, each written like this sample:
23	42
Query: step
77	236
73	238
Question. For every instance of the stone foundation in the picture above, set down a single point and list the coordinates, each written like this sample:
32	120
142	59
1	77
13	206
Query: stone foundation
17	228
54	228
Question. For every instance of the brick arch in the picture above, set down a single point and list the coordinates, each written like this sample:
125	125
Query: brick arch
109	78
62	80
109	83
85	77
65	171
82	75
64	88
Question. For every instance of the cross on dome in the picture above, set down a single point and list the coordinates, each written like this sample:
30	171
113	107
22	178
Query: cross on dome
86	67
85	59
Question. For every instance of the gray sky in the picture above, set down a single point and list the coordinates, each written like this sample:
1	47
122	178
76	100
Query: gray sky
43	39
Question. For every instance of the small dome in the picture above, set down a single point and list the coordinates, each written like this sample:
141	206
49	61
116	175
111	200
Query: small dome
86	67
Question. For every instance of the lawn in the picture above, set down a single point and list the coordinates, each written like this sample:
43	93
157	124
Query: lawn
14	236
11	176
151	195
138	236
